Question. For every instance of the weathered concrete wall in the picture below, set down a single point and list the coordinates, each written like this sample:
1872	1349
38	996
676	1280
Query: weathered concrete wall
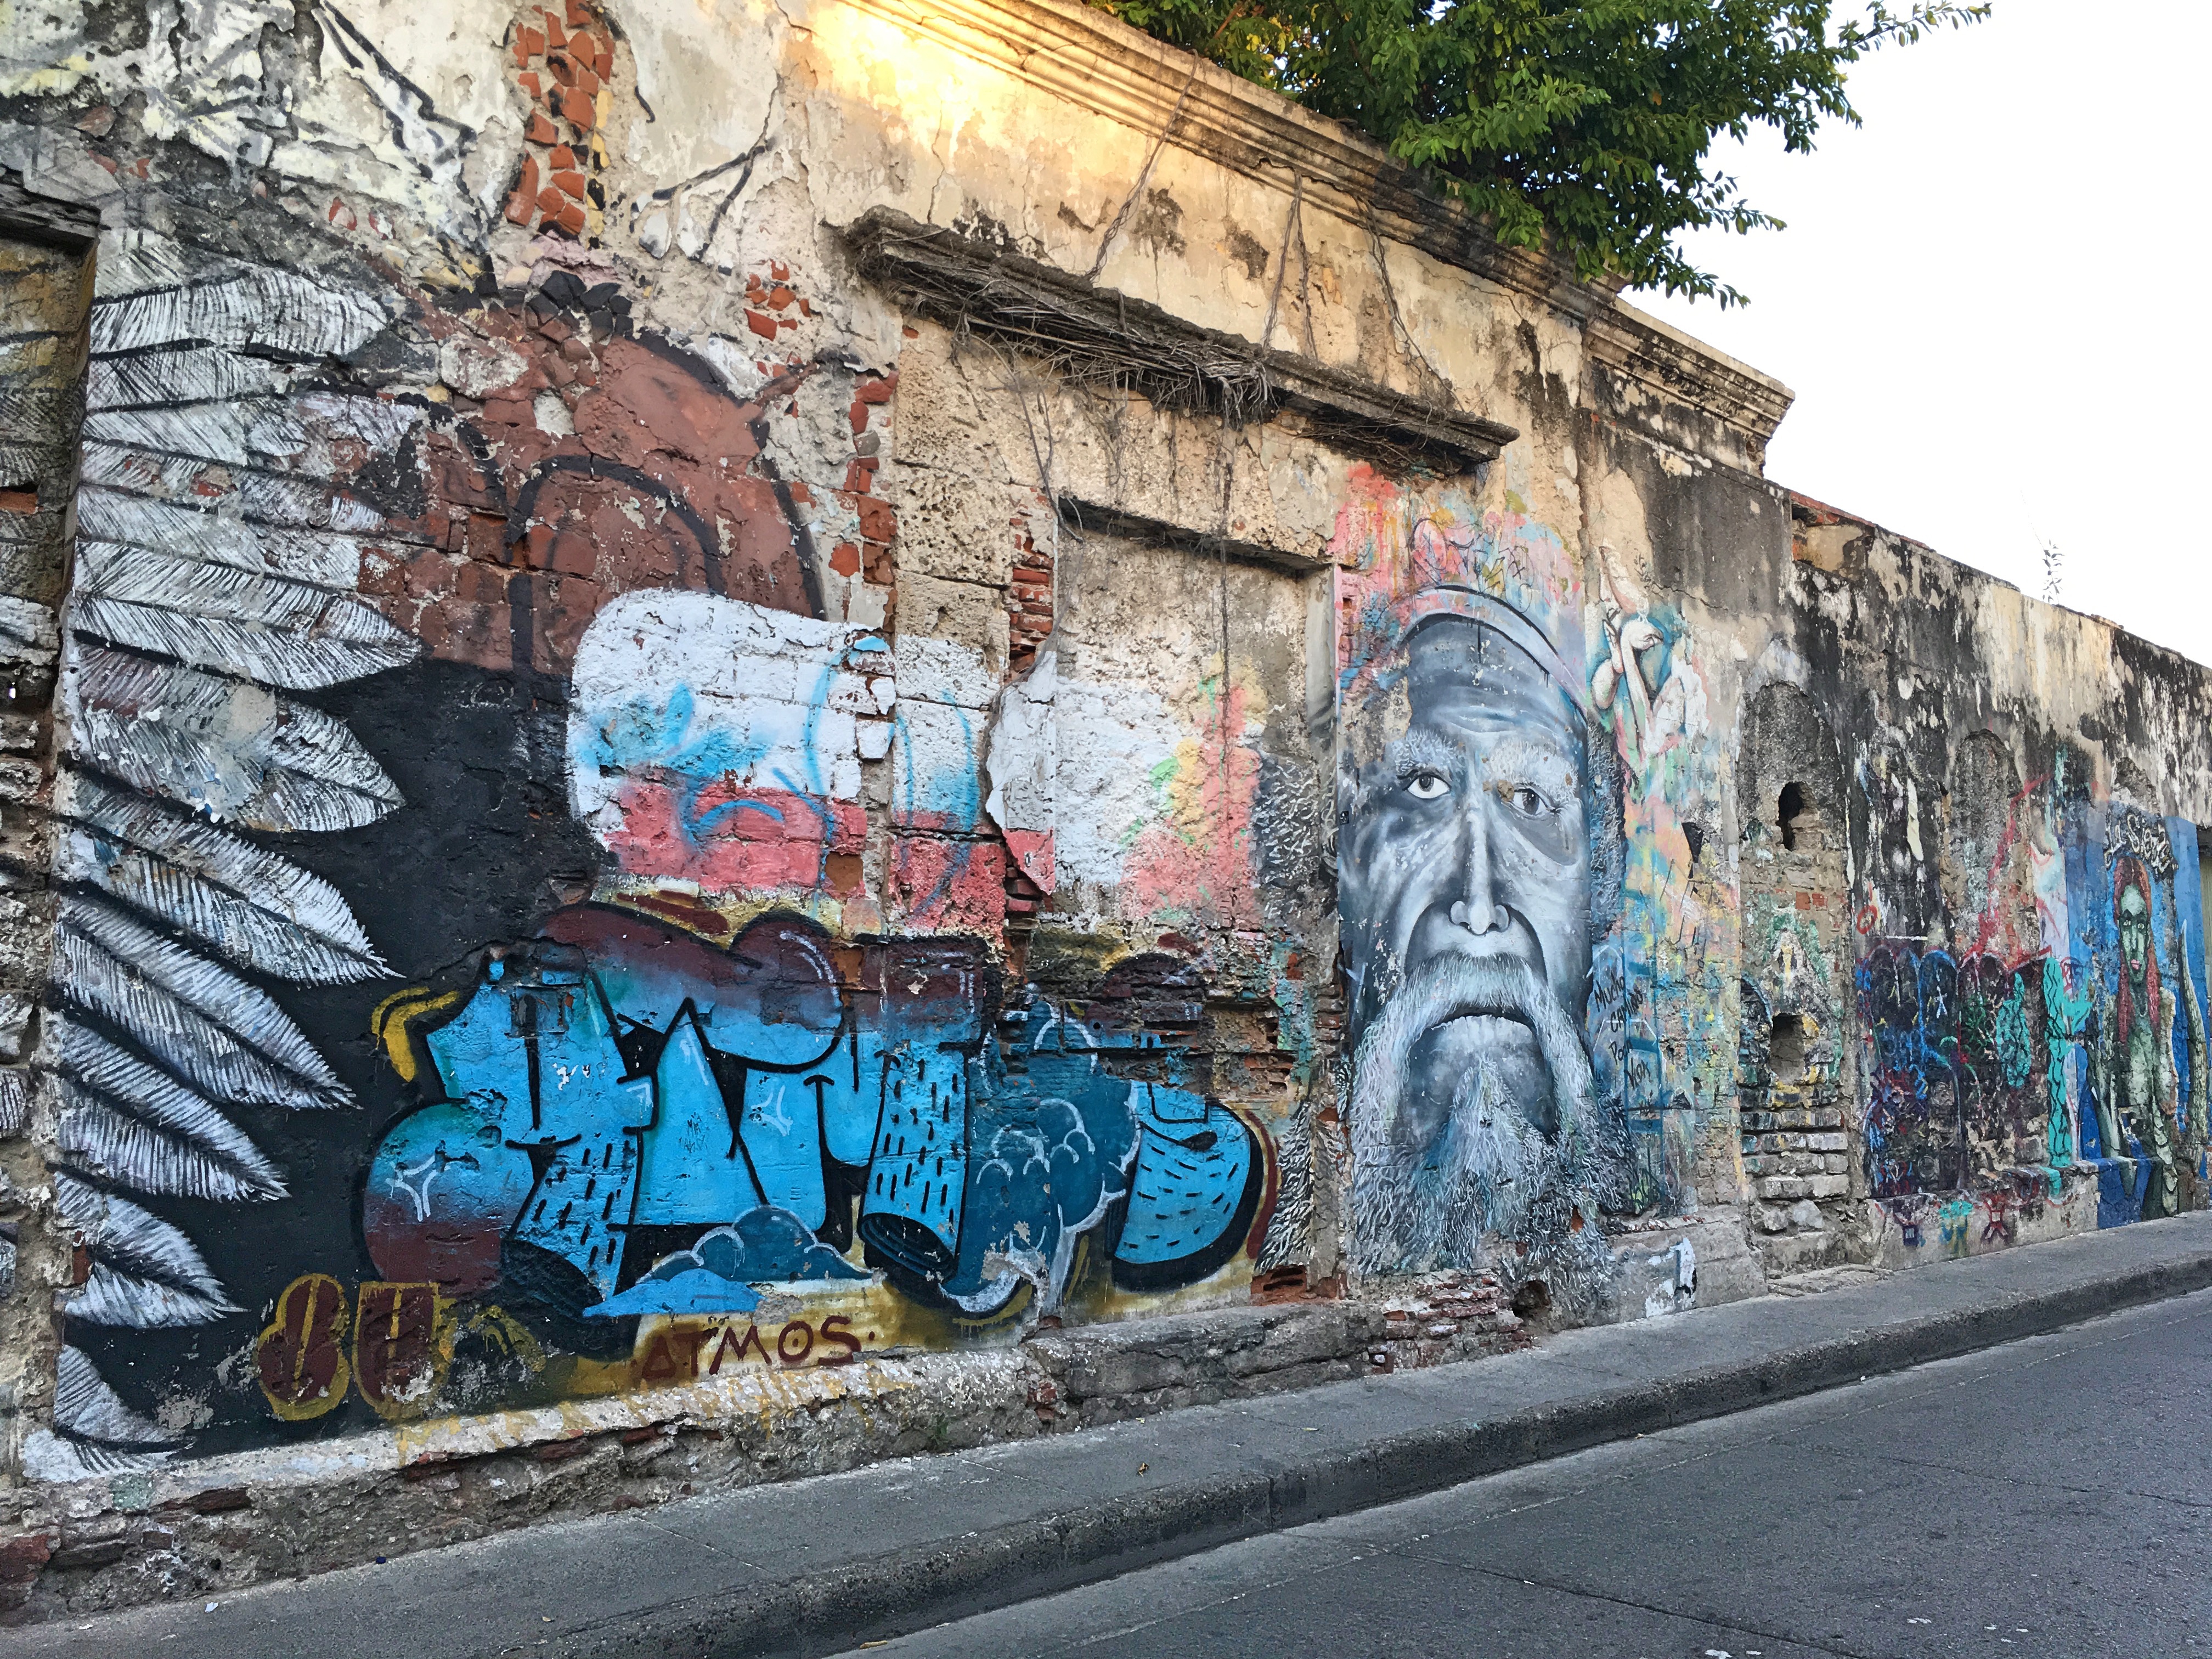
769	711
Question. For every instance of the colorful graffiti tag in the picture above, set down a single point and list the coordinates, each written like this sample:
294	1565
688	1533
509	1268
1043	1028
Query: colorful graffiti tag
2080	1056
624	1119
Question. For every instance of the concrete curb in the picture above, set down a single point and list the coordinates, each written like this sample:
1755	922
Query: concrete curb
837	1608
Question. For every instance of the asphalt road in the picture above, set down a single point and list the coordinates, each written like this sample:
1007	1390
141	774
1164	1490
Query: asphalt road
2053	1497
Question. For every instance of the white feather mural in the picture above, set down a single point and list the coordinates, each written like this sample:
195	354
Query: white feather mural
192	610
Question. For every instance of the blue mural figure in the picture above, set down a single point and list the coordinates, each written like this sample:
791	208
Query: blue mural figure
632	1121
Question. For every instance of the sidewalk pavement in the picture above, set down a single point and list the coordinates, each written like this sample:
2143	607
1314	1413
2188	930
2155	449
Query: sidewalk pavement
819	1566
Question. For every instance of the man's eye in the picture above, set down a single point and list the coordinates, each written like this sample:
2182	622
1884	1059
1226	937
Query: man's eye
1427	785
1530	803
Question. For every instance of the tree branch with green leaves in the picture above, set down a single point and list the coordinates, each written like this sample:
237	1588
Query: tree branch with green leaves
1588	127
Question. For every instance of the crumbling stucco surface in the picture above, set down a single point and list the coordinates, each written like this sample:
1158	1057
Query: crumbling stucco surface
747	737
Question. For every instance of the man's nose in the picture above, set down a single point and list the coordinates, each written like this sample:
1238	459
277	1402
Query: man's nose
1476	907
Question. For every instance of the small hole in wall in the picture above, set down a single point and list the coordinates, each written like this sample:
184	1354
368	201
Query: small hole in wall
1532	1298
1785	1048
1787	811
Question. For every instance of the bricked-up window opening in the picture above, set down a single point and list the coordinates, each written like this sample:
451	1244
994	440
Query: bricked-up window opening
1787	811
1785	1048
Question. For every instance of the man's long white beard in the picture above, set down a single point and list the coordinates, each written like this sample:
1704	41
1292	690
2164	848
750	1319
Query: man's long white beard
1421	1206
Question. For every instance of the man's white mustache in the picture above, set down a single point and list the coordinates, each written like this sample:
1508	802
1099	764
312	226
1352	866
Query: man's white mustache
1417	1206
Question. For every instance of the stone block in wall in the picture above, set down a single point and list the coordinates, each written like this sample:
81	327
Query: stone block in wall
959	526
1830	1185
1103	1370
934	614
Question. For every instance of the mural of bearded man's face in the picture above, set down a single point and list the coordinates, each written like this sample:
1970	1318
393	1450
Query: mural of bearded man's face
1465	875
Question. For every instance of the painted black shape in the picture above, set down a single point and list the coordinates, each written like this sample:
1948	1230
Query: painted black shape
472	855
549	1294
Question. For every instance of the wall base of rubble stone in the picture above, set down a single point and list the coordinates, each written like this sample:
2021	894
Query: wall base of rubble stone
216	1525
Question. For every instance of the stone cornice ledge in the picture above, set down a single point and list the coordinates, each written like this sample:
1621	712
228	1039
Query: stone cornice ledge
1100	337
1093	61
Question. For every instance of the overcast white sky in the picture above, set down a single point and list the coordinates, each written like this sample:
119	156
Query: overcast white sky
1988	301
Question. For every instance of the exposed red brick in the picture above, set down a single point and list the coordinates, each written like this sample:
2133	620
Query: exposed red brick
562	159
860	417
551	201
569	184
845	559
586	82
573	555
877	522
540	131
878	392
529	83
19	500
556	36
563	67
761	323
579	109
572	219
779	298
20	1560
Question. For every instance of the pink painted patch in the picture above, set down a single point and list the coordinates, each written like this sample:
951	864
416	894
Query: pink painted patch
941	886
733	840
1197	862
1032	852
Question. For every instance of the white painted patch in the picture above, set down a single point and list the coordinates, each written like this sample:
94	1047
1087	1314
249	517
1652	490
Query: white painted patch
712	687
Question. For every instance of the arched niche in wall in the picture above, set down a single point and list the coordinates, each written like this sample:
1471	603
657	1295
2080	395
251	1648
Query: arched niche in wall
1792	1056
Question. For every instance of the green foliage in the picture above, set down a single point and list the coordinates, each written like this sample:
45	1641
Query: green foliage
1592	123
